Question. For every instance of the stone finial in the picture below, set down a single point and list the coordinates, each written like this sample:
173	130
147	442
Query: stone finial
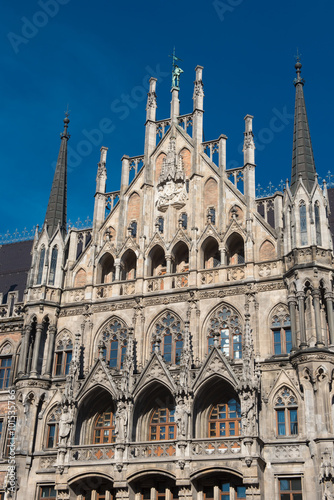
249	146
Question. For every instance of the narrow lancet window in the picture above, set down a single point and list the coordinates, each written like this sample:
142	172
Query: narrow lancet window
303	224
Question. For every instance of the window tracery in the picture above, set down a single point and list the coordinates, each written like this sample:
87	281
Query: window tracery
225	321
286	408
114	336
281	330
63	354
167	331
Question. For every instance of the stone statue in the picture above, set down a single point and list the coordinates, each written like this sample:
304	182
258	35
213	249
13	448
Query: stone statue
182	413
121	421
65	425
248	417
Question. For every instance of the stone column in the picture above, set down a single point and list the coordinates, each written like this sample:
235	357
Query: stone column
168	264
52	333
316	305
302	327
39	329
24	350
117	270
223	256
292	310
330	316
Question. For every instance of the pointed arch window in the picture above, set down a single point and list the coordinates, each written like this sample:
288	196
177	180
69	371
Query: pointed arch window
63	357
226	321
53	265
162	424
52	429
281	333
40	266
167	330
114	337
317	223
5	366
303	224
286	409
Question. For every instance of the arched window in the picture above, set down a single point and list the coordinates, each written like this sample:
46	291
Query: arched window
224	419
114	335
226	321
5	366
211	254
180	256
52	428
107	268
128	265
317	223
104	428
53	265
167	330
281	332
157	261
303	224
162	424
235	250
63	356
286	412
40	266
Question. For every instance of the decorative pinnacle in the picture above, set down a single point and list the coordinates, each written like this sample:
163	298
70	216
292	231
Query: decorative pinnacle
66	122
298	67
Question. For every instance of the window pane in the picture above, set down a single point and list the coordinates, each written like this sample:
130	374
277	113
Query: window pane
68	361
296	484
113	354
288	341
280	422
284	484
293	422
241	491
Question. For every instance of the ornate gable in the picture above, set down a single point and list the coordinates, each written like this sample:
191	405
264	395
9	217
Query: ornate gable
215	364
155	370
99	375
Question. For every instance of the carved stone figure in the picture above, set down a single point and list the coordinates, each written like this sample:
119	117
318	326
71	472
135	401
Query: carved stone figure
65	425
182	413
121	421
248	416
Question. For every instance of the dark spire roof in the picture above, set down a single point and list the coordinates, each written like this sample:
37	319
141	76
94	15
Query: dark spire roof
57	206
302	154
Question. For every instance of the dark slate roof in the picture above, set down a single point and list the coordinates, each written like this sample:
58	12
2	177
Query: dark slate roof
302	153
15	262
56	211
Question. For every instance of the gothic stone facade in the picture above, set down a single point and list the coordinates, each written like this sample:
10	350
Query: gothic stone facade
183	346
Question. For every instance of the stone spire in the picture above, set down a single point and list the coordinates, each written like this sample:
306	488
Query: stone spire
56	211
302	154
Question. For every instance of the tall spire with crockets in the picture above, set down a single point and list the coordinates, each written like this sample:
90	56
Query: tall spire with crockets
302	154
57	206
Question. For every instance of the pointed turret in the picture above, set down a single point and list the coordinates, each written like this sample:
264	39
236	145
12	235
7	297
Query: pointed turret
56	211
302	154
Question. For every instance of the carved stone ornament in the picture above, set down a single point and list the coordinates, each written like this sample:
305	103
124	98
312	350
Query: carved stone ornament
171	185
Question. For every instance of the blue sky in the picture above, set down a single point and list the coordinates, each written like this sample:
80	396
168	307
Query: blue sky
93	55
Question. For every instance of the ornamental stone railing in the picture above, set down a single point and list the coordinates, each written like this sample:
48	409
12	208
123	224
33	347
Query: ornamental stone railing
153	450
90	452
216	447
